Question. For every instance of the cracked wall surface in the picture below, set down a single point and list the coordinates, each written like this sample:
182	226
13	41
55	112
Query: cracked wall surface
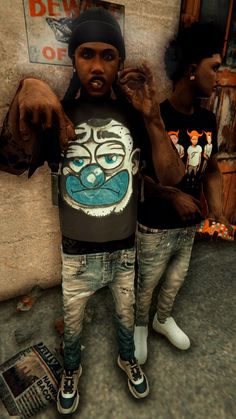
29	227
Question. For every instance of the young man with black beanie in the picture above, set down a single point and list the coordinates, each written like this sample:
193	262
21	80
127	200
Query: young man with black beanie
100	135
97	200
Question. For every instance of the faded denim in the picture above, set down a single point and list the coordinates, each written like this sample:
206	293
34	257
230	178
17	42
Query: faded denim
165	255
82	276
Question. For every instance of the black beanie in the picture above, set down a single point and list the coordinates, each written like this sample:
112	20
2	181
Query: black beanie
96	25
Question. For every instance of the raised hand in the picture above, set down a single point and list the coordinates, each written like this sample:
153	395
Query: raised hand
139	85
40	108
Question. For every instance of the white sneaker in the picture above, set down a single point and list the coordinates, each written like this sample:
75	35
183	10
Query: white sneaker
173	332
140	343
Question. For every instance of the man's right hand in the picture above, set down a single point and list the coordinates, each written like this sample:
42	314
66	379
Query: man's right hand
183	207
39	108
139	86
186	206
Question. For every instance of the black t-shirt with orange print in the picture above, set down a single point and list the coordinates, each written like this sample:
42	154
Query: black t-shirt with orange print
195	138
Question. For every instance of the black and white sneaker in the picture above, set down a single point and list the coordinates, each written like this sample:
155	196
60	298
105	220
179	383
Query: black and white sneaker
137	381
68	395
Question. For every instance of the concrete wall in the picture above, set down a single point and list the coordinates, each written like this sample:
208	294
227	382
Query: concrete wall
29	229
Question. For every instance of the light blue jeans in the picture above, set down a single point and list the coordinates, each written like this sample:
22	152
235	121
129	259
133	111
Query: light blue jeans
162	254
82	276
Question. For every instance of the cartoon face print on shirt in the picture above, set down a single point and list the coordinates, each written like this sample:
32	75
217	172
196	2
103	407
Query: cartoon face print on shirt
99	168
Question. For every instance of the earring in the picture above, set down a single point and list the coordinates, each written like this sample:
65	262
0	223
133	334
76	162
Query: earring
192	77
74	70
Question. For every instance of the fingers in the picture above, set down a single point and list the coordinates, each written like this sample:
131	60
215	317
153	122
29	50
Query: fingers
195	205
145	68
140	75
139	87
191	217
38	115
70	130
132	79
58	123
40	109
47	115
196	202
24	125
37	105
127	91
131	83
130	72
46	119
66	129
194	210
188	210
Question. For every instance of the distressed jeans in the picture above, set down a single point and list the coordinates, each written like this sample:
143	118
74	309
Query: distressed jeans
82	276
161	254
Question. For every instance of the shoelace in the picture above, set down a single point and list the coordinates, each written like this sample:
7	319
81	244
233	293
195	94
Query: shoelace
68	383
135	370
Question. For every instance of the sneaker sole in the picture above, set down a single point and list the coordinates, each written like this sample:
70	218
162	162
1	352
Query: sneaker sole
131	388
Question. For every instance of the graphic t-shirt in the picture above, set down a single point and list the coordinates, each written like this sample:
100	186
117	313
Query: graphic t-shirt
98	181
194	137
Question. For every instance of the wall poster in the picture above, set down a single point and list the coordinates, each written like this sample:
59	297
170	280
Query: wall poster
49	24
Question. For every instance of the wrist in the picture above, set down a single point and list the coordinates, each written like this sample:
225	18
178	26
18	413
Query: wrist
154	120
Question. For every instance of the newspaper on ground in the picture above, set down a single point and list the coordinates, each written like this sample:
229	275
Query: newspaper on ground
29	381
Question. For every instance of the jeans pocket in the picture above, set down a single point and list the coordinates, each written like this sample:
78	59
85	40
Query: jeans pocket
147	244
73	265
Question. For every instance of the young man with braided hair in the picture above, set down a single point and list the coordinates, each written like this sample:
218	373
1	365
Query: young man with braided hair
95	136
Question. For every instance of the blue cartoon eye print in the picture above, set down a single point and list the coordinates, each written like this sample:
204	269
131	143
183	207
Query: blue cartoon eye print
99	167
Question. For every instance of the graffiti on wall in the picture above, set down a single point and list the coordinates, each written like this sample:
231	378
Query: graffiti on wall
49	24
